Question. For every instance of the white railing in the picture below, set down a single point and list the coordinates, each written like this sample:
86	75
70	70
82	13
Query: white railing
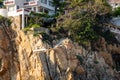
32	3
26	4
47	6
10	2
23	11
39	50
18	12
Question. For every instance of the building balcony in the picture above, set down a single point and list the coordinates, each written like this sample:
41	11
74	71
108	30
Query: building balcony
9	3
19	12
33	3
47	6
26	4
23	11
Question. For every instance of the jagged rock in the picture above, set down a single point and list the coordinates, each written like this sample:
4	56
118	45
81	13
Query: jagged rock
107	57
3	62
34	59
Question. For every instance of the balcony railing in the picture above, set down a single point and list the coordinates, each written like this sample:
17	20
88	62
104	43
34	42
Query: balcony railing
26	4
23	10
12	2
32	3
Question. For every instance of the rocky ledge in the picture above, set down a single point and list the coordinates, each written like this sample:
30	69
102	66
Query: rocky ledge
34	59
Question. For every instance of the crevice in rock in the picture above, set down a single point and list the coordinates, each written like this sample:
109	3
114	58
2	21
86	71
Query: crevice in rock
116	59
0	63
2	66
46	59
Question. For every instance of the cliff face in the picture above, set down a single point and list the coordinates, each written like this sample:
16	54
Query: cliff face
33	59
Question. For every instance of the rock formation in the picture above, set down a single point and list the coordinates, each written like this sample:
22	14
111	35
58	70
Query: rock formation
34	59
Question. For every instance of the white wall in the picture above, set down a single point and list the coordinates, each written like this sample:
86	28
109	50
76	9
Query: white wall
3	12
46	5
12	9
114	5
20	3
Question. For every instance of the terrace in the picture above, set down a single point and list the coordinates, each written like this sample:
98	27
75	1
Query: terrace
9	2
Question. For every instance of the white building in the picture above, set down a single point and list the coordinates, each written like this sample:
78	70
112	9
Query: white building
114	3
22	8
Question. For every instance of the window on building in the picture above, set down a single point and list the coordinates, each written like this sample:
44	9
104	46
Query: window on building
116	4
27	0
50	3
46	11
17	7
34	8
40	9
116	60
44	1
28	8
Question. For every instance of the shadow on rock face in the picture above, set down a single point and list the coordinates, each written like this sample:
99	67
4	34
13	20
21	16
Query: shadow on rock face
3	62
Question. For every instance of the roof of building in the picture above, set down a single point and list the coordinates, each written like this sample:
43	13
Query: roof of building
114	1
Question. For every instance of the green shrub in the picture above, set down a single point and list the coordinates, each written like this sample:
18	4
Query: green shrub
26	29
81	21
80	58
110	37
37	33
116	12
47	38
35	26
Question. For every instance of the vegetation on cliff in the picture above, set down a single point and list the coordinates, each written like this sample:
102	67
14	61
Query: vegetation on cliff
84	21
116	12
25	57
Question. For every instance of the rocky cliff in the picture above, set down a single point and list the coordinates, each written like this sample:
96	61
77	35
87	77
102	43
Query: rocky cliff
30	58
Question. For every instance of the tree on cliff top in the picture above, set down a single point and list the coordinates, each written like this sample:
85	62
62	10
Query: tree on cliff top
1	3
59	5
83	18
116	12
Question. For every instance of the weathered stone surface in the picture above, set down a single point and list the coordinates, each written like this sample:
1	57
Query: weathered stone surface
107	57
37	60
